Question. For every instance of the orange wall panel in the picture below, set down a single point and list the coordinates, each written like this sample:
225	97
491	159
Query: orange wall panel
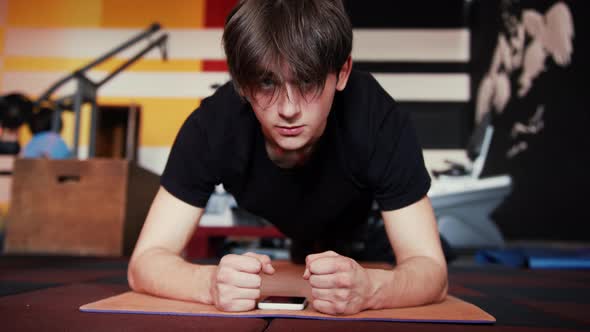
54	13
1	41
141	13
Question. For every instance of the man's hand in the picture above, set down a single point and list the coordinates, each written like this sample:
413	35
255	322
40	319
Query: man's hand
339	285
235	284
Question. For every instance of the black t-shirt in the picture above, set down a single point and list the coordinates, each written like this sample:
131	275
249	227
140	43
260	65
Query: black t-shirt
368	152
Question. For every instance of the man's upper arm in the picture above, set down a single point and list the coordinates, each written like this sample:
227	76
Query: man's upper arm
169	225
413	232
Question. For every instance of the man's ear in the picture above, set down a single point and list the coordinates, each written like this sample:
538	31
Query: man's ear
344	74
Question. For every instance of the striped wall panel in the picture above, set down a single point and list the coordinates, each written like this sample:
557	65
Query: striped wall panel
420	57
448	14
442	115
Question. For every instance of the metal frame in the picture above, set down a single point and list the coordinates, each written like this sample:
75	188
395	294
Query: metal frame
86	89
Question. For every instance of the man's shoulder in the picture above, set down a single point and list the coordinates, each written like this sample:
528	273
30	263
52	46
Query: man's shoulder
363	105
224	103
363	84
224	121
364	99
225	95
220	114
364	112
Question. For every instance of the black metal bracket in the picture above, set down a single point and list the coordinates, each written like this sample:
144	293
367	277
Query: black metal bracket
86	90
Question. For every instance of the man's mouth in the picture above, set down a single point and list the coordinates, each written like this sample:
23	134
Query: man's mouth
290	130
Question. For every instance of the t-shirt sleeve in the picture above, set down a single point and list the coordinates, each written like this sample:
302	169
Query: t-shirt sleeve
397	172
190	173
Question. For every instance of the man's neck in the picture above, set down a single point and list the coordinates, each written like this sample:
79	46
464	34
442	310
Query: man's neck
289	158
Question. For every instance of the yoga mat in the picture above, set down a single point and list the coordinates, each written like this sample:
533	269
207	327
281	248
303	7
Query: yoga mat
287	281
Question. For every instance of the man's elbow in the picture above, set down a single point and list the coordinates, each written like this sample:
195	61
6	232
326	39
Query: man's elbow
134	271
441	278
131	275
443	293
444	283
140	265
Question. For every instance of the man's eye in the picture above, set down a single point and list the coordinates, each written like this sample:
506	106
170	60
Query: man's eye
267	83
307	86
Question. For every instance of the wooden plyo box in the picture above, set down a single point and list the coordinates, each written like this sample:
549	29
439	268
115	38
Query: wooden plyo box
78	207
6	167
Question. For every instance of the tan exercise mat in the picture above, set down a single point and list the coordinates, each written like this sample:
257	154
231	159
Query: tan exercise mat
288	281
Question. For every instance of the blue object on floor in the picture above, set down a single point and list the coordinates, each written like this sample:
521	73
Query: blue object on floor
536	258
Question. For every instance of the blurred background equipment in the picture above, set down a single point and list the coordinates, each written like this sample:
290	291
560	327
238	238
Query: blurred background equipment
87	89
45	142
118	131
81	207
78	207
15	110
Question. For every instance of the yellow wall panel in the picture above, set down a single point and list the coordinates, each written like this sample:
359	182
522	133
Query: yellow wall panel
54	13
141	13
161	118
2	61
68	127
67	64
24	136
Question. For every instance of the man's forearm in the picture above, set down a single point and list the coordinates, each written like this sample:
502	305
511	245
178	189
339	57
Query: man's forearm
164	274
417	281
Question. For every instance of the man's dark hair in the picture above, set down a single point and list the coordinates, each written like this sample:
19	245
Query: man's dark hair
309	38
41	121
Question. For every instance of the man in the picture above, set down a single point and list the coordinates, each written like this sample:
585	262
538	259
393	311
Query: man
45	143
15	109
302	140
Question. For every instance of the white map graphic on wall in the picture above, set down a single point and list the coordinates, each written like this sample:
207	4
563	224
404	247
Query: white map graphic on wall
526	40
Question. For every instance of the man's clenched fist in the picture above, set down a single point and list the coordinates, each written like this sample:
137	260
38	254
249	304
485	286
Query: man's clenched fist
236	281
339	285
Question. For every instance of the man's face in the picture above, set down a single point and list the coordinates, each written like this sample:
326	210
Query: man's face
292	118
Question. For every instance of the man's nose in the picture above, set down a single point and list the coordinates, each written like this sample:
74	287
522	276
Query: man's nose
289	107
